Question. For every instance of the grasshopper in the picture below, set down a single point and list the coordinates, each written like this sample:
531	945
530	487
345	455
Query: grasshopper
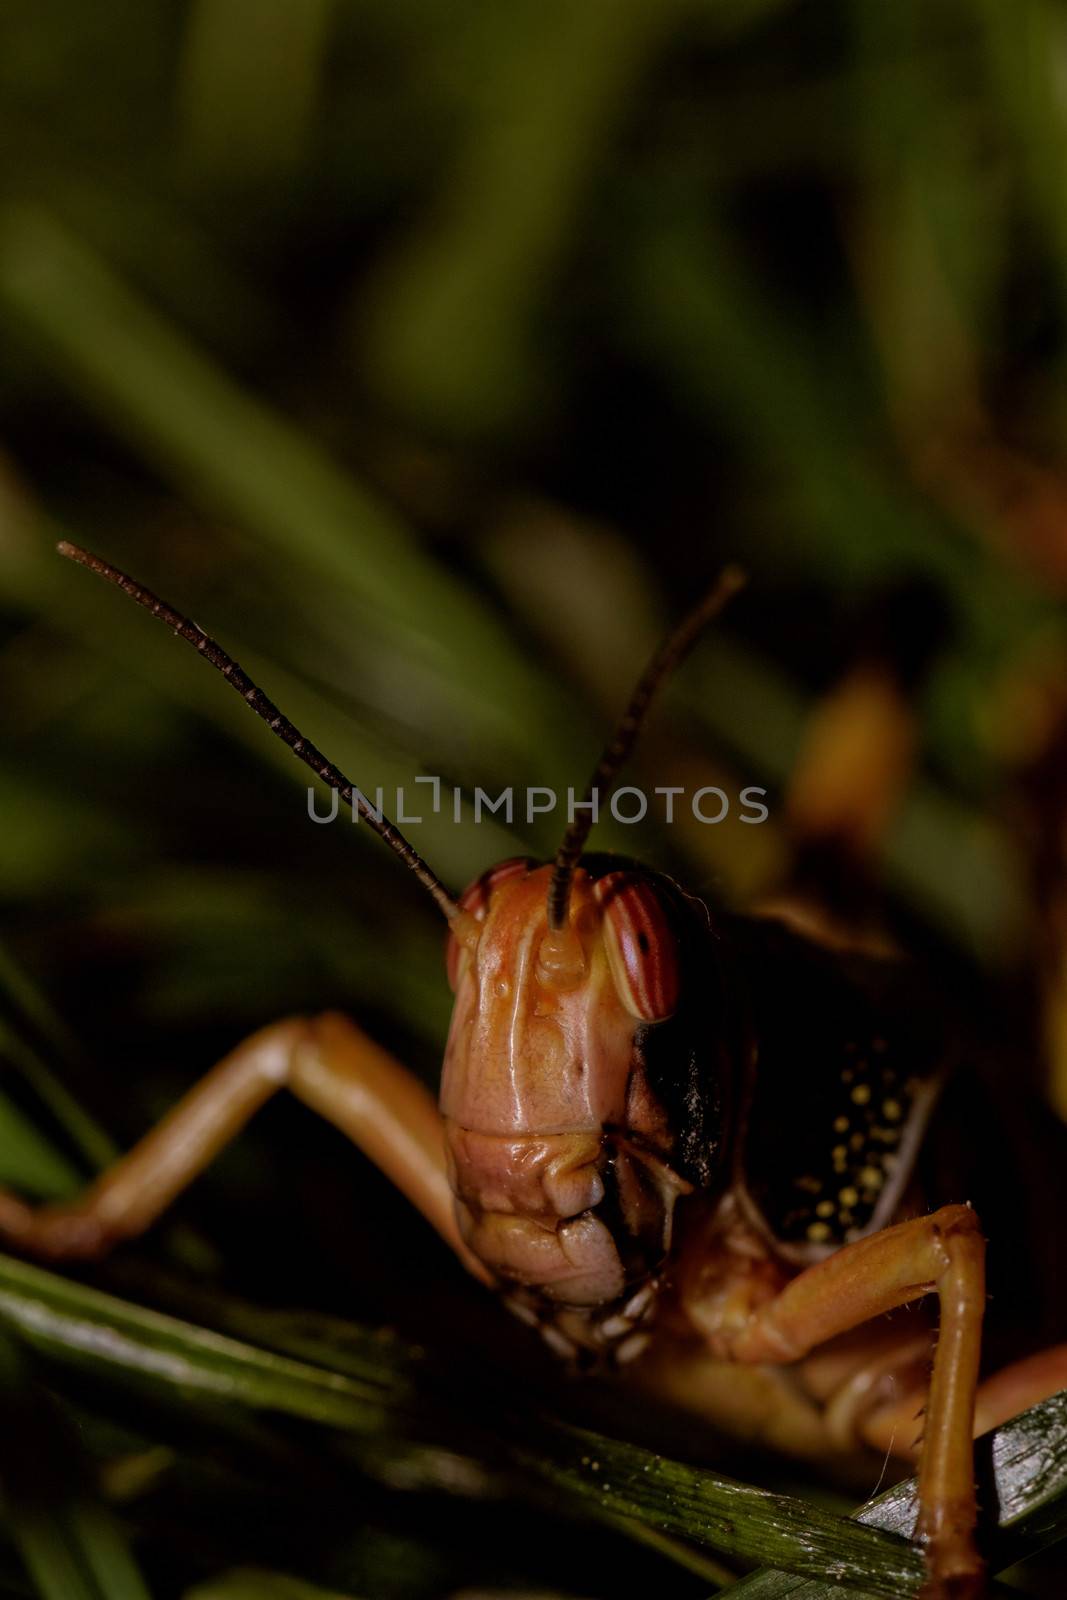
673	1140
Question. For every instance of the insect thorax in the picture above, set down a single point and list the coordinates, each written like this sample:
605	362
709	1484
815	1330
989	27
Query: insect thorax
847	1057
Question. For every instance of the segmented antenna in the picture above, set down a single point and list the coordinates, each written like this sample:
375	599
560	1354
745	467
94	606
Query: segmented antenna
276	722
673	650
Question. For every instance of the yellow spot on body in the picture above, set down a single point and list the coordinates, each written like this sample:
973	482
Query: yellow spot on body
818	1232
871	1178
840	1124
891	1110
825	1208
856	1142
849	1196
861	1094
809	1184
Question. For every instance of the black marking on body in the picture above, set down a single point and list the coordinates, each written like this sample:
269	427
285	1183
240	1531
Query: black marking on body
848	1059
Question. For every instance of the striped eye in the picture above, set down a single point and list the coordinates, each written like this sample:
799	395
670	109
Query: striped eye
641	944
475	899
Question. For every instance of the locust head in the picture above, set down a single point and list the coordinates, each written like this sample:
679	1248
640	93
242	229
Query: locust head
558	1153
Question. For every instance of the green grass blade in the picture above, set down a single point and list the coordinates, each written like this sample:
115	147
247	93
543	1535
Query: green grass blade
627	1485
247	115
68	1540
28	1160
50	1563
1026	1463
35	1006
84	1132
452	332
394	1412
105	1552
380	1405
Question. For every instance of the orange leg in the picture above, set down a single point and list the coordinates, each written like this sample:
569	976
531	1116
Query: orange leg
944	1254
329	1064
1001	1396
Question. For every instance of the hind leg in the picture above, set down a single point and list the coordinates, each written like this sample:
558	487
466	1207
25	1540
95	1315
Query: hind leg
895	1425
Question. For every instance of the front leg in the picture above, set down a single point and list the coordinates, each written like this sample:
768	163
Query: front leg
328	1063
943	1253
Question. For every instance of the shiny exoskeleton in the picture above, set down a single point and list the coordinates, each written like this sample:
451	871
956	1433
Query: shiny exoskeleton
700	1059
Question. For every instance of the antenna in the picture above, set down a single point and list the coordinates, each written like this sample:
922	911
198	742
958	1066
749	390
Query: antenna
670	654
278	724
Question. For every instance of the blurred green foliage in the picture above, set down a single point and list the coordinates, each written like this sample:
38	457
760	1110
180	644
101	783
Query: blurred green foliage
433	355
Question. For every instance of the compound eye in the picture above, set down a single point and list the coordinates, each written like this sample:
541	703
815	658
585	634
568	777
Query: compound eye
642	945
475	900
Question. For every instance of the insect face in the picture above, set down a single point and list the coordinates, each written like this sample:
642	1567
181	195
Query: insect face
557	1148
